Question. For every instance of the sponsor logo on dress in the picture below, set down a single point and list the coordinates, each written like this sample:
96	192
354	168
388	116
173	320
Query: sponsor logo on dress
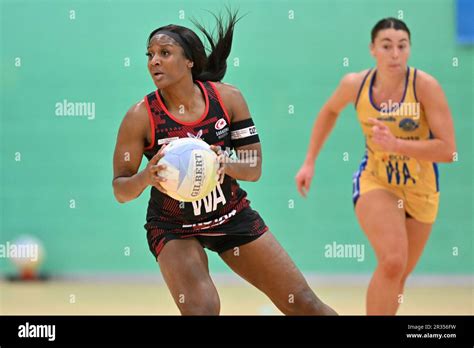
222	133
212	223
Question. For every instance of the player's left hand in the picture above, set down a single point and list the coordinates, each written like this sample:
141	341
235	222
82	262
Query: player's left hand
221	158
382	136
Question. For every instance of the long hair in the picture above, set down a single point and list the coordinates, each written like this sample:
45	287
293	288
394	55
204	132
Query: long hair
210	67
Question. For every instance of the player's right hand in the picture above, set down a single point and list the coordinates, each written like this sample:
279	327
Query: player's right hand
303	178
153	170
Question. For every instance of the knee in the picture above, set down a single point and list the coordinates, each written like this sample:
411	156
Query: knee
199	303
202	306
393	266
305	302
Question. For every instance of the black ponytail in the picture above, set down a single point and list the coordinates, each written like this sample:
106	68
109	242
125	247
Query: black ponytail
220	49
214	66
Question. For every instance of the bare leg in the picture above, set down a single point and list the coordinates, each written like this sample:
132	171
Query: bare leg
184	265
265	264
383	222
418	234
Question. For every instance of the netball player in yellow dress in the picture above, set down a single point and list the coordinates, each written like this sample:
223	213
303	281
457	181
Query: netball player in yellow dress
407	124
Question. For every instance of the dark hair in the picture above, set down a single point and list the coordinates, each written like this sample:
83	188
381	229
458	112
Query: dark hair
389	23
214	66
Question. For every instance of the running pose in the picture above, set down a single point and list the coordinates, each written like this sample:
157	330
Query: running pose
408	127
189	99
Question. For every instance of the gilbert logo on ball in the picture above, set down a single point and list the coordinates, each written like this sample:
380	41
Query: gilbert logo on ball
191	169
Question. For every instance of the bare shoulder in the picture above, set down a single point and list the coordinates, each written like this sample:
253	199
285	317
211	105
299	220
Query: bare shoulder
422	76
231	97
425	80
349	86
227	91
353	80
137	114
136	121
427	88
138	111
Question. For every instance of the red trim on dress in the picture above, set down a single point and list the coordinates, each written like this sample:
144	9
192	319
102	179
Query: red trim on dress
150	117
220	101
159	247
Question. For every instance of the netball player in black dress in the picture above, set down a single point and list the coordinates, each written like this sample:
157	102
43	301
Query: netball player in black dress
190	100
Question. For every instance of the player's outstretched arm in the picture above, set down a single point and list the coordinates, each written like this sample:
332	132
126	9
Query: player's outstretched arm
344	94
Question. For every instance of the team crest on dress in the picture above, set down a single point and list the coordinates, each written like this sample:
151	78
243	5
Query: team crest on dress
408	125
